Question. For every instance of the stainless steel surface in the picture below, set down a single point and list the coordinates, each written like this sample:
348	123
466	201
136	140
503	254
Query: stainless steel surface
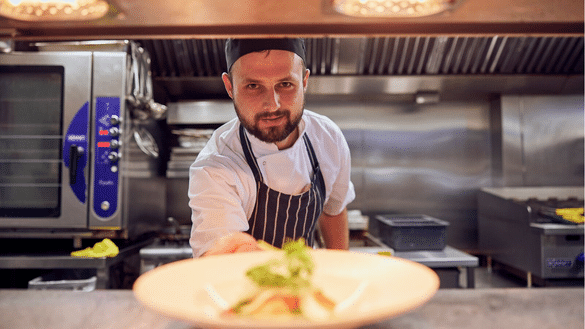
159	252
456	269
408	158
509	232
100	45
541	140
405	87
449	308
448	257
177	199
163	252
557	229
6	45
537	192
200	112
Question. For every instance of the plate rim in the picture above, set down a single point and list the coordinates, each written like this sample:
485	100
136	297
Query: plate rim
351	322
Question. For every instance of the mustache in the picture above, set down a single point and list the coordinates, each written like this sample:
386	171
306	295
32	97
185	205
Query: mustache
266	115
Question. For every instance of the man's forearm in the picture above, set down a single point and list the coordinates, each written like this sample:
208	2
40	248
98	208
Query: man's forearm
232	243
335	231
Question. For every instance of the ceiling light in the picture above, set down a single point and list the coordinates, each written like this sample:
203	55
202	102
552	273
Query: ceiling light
53	10
393	8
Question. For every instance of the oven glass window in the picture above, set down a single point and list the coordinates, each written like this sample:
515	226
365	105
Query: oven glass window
31	102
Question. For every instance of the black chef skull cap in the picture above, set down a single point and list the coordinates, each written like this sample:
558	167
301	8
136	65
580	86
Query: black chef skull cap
236	48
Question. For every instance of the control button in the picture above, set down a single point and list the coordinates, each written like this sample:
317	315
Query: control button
113	156
105	205
114	131
114	143
114	169
115	120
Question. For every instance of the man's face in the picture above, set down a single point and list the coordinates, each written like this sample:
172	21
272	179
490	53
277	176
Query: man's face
268	92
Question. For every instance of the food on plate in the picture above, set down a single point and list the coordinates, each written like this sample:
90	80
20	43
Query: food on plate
284	288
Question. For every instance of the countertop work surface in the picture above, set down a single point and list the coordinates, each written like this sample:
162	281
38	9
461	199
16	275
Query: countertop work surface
449	308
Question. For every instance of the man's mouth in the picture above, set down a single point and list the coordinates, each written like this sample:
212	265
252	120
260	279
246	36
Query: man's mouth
272	121
273	118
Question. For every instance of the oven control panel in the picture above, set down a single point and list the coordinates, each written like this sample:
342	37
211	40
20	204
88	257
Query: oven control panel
107	156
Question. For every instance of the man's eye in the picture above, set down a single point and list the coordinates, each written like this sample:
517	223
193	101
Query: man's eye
252	86
286	84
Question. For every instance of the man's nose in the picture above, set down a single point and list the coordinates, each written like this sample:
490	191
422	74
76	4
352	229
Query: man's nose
272	100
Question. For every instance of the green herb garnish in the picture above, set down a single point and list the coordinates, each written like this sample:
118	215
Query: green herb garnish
292	271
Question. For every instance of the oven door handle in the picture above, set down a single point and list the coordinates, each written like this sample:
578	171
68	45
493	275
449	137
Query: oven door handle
75	153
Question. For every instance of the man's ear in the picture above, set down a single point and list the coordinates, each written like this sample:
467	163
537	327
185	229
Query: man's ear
306	79
228	84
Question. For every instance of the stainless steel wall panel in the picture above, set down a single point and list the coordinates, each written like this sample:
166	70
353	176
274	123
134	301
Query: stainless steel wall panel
415	159
553	140
542	140
512	142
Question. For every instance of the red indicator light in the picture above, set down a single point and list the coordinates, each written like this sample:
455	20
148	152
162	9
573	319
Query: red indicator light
103	144
103	132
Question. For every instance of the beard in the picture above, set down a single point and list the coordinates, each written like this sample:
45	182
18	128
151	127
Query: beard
271	134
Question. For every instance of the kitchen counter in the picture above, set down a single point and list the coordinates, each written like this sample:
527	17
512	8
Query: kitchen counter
449	308
446	263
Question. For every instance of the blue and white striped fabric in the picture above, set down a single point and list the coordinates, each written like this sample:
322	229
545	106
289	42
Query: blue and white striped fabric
278	217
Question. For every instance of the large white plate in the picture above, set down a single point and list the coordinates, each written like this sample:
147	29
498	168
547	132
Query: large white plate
393	286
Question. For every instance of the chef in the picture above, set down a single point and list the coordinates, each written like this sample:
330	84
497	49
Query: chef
276	172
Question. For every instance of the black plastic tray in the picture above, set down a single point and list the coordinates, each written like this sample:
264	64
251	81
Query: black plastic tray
412	232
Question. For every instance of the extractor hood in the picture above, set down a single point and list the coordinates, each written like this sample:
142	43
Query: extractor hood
396	56
453	65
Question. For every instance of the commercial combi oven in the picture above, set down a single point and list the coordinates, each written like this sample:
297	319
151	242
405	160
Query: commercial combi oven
74	118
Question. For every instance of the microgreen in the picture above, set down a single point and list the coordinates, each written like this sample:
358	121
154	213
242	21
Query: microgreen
293	270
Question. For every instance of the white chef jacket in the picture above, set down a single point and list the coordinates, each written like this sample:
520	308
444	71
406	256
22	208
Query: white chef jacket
222	188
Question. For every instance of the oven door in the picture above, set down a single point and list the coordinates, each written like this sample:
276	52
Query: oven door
44	137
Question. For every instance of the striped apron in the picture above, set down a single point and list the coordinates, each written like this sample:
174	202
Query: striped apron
279	217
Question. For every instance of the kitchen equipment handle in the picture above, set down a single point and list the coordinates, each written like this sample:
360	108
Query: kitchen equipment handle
146	142
156	110
75	153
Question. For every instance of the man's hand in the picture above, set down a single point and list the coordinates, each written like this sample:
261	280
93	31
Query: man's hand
235	242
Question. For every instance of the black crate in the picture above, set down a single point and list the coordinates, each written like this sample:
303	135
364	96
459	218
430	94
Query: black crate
412	232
